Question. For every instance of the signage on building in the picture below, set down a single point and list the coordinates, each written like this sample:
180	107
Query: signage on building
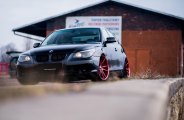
112	23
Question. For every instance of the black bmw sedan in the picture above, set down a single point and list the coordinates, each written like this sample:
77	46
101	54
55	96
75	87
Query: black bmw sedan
80	53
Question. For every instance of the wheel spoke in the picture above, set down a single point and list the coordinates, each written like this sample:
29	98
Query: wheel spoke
102	75
104	66
102	61
103	70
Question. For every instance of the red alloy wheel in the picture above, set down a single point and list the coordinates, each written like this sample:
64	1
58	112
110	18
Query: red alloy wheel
103	69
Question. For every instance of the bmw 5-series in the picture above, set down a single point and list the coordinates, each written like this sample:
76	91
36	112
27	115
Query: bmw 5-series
77	53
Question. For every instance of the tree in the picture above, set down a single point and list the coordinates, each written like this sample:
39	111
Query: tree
28	44
3	56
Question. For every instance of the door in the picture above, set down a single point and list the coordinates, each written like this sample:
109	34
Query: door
139	60
110	51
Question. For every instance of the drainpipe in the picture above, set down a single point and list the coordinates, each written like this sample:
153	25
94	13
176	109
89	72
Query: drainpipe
181	67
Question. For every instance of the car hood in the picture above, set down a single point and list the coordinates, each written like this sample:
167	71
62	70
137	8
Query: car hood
60	49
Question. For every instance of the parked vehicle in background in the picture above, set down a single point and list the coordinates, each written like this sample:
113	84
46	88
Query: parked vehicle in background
4	69
82	53
13	61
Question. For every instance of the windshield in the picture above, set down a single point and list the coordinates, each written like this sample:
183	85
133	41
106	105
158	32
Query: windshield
74	36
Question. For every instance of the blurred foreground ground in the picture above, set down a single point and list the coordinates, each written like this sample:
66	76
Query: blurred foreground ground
115	100
7	81
12	89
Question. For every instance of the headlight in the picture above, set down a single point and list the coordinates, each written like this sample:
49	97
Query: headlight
84	54
24	58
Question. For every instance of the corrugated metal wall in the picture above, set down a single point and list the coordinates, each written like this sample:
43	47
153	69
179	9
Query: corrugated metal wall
155	50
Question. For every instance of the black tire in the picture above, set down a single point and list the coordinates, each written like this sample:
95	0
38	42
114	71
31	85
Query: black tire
28	80
69	78
125	72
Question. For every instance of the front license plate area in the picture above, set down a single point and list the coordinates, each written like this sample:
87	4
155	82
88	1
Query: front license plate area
49	67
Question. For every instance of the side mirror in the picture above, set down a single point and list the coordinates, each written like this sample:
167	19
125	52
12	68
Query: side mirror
35	45
110	40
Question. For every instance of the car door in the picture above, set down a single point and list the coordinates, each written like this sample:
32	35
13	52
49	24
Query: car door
120	56
109	50
117	55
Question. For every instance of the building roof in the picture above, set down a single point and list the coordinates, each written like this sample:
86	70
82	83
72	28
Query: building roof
39	28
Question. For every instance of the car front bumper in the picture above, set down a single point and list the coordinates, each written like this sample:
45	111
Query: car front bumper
63	68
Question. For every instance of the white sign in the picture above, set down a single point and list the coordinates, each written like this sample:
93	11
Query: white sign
112	23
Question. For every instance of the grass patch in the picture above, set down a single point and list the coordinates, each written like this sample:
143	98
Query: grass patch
148	74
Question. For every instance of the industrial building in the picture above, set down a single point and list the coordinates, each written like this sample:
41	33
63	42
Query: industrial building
152	40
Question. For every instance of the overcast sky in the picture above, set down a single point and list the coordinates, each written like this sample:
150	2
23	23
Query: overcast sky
16	13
